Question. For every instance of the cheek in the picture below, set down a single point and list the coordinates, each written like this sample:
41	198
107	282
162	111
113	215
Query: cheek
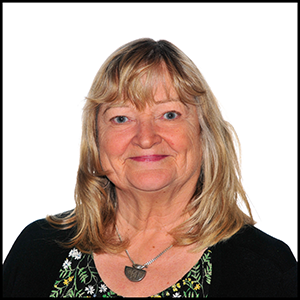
185	139
112	146
196	144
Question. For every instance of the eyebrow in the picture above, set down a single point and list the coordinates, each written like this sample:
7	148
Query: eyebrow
126	106
113	106
167	100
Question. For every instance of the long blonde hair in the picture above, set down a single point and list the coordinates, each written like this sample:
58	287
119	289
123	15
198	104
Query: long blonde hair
214	209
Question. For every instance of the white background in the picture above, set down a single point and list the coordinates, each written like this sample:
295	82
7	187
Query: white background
51	52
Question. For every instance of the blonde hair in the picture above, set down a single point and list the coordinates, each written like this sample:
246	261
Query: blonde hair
214	210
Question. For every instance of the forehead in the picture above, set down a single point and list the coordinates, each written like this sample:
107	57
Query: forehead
143	89
162	91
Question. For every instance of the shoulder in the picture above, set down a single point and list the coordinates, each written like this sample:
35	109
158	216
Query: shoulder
34	260
40	231
256	264
39	237
258	243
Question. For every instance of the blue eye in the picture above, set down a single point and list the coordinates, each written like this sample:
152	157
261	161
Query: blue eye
120	119
171	115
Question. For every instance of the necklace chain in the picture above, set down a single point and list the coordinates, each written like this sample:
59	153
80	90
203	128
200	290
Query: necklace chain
147	263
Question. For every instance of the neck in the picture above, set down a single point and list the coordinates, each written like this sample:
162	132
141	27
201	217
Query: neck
144	212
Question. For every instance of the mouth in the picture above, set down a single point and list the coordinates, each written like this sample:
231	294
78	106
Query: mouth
148	158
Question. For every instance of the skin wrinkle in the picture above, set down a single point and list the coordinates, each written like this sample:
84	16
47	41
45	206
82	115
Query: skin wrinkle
175	161
148	124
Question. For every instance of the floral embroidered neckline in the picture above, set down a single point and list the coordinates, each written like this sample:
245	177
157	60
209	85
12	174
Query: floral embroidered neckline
78	277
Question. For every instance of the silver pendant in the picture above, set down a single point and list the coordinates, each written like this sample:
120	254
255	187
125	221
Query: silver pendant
135	273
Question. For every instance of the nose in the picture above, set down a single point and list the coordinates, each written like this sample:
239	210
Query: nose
146	135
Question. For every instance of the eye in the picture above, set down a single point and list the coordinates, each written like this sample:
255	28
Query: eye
119	119
171	115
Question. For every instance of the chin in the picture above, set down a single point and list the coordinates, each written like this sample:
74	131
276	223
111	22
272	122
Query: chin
151	182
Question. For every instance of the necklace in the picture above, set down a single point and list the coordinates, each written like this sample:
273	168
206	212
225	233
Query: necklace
136	272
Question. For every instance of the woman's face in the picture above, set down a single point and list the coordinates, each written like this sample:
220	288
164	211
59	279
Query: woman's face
153	149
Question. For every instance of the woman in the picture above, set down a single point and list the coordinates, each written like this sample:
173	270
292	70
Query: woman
156	197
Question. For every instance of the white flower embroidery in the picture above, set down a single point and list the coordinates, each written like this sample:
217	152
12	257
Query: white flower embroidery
66	264
102	288
71	253
90	289
75	253
176	295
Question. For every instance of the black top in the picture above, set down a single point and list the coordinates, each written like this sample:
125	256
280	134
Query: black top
249	264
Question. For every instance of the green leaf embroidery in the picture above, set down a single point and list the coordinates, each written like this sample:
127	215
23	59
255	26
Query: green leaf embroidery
81	279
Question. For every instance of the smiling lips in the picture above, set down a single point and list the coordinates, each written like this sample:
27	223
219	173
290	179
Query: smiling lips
148	158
